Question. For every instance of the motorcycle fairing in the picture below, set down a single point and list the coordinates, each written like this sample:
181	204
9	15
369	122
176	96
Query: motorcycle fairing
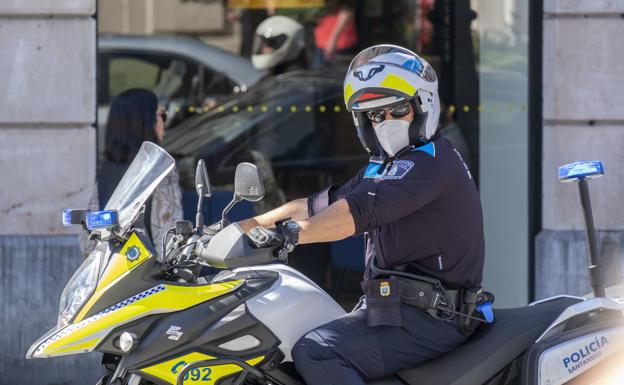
583	309
133	253
583	336
85	335
168	370
204	328
292	295
568	358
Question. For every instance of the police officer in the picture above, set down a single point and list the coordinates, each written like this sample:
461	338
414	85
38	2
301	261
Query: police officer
419	210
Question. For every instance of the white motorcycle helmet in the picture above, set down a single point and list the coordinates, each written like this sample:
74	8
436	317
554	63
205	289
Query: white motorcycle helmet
386	76
279	39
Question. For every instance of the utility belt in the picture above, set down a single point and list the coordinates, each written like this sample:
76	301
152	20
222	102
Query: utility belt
384	297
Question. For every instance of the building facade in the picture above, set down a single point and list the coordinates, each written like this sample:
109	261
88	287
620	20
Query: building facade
529	85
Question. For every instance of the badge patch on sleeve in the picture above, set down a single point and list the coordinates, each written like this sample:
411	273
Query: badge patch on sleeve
399	169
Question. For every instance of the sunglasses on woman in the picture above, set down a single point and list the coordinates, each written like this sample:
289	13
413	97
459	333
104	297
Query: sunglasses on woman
398	111
163	114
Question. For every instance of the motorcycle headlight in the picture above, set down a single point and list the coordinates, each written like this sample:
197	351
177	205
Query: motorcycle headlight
80	287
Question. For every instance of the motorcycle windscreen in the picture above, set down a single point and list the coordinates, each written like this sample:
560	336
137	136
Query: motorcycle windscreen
150	166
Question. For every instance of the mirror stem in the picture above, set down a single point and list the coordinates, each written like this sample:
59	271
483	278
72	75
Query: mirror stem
227	209
199	217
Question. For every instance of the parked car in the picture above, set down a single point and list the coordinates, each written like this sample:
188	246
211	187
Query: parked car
181	70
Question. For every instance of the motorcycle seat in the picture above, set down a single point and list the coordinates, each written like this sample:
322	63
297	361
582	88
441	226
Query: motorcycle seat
491	347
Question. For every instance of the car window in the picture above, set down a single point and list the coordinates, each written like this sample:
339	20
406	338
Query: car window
216	83
126	73
171	79
167	76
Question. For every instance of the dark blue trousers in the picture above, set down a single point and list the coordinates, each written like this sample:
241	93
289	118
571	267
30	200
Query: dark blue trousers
346	351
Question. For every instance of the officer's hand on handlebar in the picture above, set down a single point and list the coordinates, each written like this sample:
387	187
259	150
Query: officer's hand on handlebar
261	237
284	235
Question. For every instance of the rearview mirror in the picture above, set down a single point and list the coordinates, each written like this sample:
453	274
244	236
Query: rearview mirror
202	184
247	182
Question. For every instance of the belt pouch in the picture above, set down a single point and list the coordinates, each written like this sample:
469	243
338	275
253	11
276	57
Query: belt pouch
417	294
383	302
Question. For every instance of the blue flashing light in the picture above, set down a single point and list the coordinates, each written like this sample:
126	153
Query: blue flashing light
67	217
99	219
486	310
581	170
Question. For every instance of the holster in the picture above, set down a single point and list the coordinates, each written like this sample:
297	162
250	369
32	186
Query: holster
469	299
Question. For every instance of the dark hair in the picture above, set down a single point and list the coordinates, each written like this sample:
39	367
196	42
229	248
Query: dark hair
131	121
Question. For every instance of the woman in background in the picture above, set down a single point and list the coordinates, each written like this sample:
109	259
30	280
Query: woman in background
134	118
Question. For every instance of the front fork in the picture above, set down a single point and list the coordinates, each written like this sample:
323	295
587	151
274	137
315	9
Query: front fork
120	374
131	379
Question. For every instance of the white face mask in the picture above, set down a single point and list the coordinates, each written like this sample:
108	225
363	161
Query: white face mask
393	135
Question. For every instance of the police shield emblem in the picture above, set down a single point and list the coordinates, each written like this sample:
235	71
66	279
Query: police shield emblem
384	289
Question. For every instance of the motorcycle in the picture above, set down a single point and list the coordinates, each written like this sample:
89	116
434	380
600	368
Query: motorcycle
218	306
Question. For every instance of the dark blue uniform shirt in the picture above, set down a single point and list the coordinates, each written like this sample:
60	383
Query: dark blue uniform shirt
423	209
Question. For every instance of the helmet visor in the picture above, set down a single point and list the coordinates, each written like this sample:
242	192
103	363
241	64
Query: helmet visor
264	45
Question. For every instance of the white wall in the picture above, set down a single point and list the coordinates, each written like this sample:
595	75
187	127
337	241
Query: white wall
583	79
47	139
161	16
47	162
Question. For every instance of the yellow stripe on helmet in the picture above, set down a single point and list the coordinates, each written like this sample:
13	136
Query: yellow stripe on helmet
397	83
348	91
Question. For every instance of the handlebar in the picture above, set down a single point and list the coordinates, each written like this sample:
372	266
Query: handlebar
226	248
231	248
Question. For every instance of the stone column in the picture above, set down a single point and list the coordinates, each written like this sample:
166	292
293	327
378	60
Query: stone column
47	162
583	79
